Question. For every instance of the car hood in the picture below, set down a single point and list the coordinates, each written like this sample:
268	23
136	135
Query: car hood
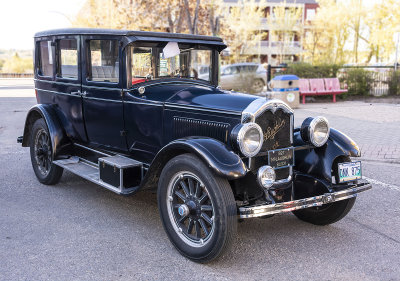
210	97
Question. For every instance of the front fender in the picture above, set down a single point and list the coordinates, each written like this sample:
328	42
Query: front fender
213	153
58	137
318	161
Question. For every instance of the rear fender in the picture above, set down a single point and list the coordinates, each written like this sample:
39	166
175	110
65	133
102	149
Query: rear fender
318	161
59	140
213	153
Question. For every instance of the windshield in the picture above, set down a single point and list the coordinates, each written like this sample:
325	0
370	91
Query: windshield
147	62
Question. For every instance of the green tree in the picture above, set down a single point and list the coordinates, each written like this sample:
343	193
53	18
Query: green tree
16	64
241	26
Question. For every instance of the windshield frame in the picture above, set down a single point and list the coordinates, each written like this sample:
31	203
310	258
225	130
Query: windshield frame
157	47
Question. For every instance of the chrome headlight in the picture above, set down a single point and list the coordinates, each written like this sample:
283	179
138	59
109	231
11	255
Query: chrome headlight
248	138
315	130
266	176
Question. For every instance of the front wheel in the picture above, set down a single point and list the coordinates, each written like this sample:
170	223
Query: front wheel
197	208
42	156
326	214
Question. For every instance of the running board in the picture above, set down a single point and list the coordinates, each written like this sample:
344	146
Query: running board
119	174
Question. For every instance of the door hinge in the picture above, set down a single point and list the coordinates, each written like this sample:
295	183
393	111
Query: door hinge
123	133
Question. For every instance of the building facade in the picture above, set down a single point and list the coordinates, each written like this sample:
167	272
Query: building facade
281	30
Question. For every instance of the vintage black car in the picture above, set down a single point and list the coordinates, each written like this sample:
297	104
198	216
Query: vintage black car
128	111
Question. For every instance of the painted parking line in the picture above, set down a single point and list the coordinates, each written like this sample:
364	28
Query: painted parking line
390	186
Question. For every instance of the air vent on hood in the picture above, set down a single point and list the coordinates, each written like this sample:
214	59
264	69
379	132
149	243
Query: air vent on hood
186	127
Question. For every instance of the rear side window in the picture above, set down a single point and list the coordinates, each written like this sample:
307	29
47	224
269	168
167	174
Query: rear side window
68	58
104	62
45	59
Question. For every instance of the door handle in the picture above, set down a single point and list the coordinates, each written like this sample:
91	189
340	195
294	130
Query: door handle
79	93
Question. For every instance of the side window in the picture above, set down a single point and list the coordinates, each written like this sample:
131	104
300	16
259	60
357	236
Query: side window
104	62
141	65
45	59
68	52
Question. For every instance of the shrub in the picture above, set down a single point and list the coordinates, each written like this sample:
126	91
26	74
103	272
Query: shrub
306	70
394	83
359	81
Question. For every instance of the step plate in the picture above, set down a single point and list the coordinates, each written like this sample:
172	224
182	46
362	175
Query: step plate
89	172
120	162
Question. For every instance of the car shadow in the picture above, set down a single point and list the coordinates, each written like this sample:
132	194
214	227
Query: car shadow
281	236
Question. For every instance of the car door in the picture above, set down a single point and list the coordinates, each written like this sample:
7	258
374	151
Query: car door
101	92
143	107
66	86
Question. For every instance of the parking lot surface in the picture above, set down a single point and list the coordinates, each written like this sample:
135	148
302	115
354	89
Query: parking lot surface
77	230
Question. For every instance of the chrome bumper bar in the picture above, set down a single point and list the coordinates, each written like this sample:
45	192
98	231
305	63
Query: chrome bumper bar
272	209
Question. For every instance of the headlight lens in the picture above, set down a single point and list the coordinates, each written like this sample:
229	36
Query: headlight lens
266	176
315	130
250	139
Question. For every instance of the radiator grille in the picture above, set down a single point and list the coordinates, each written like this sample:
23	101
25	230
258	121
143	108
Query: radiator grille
185	127
277	132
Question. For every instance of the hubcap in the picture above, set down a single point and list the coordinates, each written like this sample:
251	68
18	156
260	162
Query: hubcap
190	209
43	152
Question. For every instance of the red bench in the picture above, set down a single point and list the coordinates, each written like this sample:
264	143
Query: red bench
320	87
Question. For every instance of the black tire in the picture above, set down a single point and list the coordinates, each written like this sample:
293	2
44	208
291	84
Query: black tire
257	86
42	156
326	214
202	187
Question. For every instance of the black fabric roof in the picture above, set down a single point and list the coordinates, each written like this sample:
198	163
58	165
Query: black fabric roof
99	31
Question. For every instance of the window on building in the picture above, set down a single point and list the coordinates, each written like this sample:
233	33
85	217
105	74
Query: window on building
68	58
310	14
45	59
104	62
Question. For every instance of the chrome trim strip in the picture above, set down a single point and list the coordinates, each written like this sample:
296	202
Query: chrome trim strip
55	92
144	103
258	106
57	82
284	207
93	98
102	88
203	109
83	85
172	82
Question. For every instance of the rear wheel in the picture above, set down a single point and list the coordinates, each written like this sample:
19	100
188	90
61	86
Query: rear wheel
197	208
42	156
258	85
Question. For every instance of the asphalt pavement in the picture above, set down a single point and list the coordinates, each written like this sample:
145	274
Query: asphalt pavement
77	230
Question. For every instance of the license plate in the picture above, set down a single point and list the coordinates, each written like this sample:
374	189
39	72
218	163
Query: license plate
349	171
281	158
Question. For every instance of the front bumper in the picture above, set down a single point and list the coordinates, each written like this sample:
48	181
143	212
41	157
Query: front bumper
272	209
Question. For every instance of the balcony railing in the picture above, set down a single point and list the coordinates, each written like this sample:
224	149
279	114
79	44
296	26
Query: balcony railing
274	47
274	24
280	44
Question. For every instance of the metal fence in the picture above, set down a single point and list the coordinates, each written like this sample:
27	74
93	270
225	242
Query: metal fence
16	75
373	80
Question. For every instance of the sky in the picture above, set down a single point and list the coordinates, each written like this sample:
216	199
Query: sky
21	19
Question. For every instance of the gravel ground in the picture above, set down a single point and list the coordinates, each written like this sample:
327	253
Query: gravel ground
78	231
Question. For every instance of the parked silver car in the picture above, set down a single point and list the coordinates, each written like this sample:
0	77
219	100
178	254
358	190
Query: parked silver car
248	77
